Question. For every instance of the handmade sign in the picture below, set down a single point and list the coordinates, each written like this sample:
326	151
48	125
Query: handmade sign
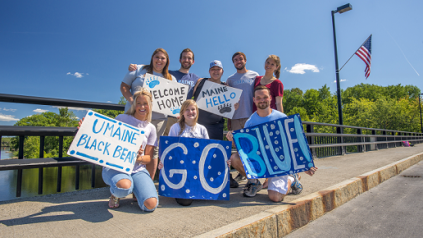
168	96
107	142
218	99
194	168
274	148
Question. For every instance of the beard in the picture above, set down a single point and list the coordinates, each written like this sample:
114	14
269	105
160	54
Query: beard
241	68
186	67
263	105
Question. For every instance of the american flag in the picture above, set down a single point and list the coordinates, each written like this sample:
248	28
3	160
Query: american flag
365	53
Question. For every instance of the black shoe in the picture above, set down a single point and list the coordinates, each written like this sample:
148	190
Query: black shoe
184	202
239	177
233	183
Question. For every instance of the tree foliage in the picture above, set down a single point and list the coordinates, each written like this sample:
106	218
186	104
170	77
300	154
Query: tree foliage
394	107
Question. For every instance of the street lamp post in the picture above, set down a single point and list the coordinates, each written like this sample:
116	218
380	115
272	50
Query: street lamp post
420	104
340	9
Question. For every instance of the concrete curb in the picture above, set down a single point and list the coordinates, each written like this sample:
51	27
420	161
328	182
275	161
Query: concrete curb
282	220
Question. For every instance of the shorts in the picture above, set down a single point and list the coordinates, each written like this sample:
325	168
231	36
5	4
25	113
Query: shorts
278	184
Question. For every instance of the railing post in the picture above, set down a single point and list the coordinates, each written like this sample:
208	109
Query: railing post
339	130
386	139
361	147
41	170
373	139
310	129
19	175
59	168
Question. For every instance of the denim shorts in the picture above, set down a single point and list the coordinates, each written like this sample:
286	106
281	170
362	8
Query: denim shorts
141	185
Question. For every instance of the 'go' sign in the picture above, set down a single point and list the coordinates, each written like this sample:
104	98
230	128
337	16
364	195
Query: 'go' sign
274	148
194	168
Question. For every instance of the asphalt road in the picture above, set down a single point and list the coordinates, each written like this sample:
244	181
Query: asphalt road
392	209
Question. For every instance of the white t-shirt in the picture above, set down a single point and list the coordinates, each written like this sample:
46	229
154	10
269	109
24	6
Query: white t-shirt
135	80
149	133
197	131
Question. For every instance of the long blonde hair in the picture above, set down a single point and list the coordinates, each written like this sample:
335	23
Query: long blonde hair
278	64
165	70
142	92
184	106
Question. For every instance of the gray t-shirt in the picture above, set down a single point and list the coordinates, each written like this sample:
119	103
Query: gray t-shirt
246	83
135	79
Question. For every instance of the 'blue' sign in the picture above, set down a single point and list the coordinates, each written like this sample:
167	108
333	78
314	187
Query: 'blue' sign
274	148
194	168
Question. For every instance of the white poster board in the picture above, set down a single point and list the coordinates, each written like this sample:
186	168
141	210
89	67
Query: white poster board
107	142
168	96
218	99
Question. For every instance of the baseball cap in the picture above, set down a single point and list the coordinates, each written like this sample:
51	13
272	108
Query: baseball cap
216	63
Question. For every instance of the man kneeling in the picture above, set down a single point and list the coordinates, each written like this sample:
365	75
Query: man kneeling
278	186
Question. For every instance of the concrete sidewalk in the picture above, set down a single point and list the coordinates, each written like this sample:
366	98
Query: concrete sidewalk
85	213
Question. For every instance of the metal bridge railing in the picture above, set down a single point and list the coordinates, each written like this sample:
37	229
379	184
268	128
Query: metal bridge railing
321	144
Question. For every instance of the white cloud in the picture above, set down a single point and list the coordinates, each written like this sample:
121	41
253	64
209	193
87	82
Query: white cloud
342	80
77	74
40	110
300	68
73	108
9	109
8	118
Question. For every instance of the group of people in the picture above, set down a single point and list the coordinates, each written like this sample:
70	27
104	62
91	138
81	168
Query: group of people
261	101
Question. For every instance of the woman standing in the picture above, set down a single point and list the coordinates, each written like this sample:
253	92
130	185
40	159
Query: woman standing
139	182
133	82
271	81
214	123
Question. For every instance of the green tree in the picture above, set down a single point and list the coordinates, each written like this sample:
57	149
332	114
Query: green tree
65	118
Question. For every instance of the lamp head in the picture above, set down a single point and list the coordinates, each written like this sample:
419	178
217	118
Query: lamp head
344	8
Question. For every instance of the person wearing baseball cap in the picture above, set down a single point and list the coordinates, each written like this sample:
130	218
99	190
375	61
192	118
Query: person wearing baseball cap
213	123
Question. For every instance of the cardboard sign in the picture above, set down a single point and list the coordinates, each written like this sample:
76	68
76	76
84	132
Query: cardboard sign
168	96
194	168
274	148
218	99
107	142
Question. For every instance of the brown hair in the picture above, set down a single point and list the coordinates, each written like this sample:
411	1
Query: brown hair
184	106
187	50
239	53
278	64
142	92
165	70
260	87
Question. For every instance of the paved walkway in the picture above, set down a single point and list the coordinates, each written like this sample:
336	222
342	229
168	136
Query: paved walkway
85	213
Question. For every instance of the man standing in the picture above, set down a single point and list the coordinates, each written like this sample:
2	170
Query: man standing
278	186
244	80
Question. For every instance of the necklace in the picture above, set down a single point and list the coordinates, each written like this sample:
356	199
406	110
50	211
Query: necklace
264	81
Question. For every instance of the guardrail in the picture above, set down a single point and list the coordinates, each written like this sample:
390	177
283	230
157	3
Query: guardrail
321	144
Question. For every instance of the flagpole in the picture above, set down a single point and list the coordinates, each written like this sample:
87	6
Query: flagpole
355	52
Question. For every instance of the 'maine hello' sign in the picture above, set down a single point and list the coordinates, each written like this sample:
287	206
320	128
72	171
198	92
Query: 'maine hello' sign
107	142
218	99
274	148
168	96
194	168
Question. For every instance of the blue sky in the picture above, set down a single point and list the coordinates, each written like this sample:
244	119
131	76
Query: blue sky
80	50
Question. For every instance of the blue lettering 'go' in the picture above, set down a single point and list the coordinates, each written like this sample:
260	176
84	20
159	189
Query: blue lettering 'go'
174	171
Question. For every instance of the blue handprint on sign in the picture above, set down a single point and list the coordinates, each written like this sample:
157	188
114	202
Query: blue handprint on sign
152	82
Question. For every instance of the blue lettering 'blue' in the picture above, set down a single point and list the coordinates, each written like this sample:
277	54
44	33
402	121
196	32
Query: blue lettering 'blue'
86	156
108	128
232	95
208	101
106	148
105	118
251	155
94	144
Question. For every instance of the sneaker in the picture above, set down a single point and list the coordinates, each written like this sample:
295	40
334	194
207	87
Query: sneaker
296	186
184	202
239	177
233	183
252	188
